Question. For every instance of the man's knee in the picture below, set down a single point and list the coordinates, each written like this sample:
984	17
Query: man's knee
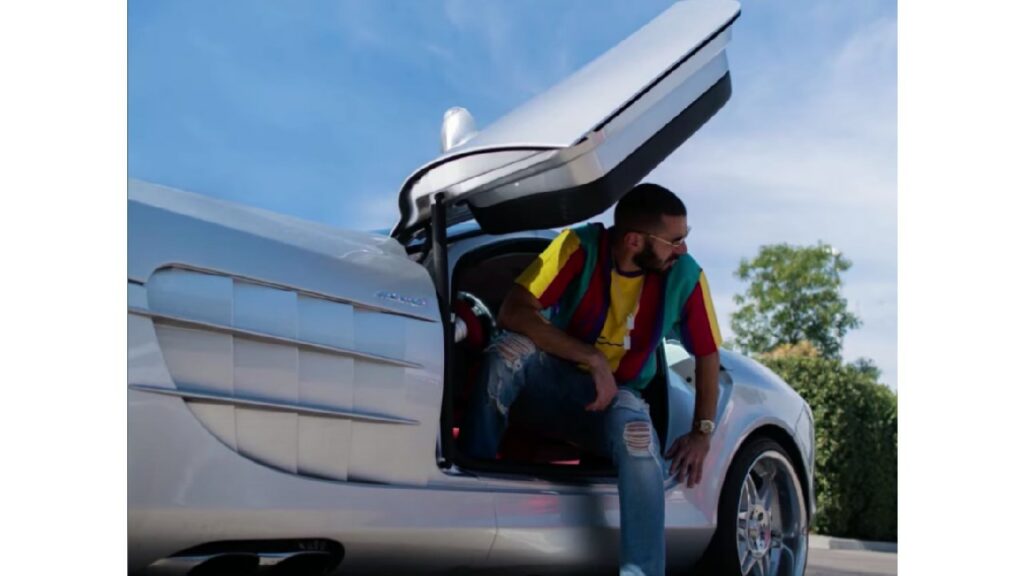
513	349
507	356
637	437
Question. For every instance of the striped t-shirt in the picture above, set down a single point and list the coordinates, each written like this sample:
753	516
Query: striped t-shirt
548	276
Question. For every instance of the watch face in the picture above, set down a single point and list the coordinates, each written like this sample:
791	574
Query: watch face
706	426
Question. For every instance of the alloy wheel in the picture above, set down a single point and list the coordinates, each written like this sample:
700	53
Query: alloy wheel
771	523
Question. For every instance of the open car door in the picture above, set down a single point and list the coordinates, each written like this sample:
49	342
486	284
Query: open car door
573	151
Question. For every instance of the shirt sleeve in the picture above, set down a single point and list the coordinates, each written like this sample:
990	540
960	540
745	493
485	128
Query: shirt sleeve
698	325
551	272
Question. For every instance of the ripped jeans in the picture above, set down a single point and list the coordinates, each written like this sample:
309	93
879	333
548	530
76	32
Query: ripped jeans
550	394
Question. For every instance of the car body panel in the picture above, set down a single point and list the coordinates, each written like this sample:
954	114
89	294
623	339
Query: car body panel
192	478
570	144
186	488
295	368
783	408
168	227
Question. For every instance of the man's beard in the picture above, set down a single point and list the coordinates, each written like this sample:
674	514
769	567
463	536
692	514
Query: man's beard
649	262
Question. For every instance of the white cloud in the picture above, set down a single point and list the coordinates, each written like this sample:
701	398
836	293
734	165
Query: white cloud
822	167
504	34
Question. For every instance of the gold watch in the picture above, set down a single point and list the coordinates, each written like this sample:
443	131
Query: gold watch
705	427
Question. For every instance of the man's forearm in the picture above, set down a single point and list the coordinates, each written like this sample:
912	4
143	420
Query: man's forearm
706	403
520	312
550	338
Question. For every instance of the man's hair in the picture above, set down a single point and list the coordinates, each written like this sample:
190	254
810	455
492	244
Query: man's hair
642	207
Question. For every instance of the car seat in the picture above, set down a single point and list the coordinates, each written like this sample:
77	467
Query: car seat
474	328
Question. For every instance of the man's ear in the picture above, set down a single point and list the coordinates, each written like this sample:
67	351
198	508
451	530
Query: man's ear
634	240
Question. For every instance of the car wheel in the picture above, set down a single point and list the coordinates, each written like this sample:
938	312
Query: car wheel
762	516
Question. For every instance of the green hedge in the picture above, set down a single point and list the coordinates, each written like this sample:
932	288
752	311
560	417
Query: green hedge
855	438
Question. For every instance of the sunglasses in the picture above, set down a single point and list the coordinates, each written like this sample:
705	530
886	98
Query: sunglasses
672	243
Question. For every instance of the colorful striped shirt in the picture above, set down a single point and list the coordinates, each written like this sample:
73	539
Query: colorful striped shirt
623	315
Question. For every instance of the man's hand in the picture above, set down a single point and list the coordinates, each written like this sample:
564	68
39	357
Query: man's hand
604	383
687	454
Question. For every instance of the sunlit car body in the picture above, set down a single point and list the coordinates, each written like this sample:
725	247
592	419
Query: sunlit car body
295	390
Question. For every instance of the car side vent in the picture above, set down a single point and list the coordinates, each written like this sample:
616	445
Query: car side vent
288	379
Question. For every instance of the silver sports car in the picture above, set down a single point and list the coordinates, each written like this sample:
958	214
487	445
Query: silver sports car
295	391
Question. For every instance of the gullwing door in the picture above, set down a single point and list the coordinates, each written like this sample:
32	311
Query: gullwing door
571	152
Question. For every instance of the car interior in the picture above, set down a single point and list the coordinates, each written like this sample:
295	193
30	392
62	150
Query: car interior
480	281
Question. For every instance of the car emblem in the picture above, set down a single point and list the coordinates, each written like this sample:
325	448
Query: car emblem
396	297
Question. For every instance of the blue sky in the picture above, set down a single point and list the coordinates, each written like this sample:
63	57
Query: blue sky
321	109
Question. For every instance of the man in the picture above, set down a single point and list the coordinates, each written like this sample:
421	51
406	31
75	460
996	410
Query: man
580	328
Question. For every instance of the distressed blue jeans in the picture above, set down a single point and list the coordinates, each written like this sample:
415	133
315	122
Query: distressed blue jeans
549	395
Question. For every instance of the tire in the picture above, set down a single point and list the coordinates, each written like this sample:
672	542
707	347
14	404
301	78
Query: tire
762	516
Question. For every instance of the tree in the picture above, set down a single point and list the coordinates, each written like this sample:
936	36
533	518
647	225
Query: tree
855	438
867	367
793	296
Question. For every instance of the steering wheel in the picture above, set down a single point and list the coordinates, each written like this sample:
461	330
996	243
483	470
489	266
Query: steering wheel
474	323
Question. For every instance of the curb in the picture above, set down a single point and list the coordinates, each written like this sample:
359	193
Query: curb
820	542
